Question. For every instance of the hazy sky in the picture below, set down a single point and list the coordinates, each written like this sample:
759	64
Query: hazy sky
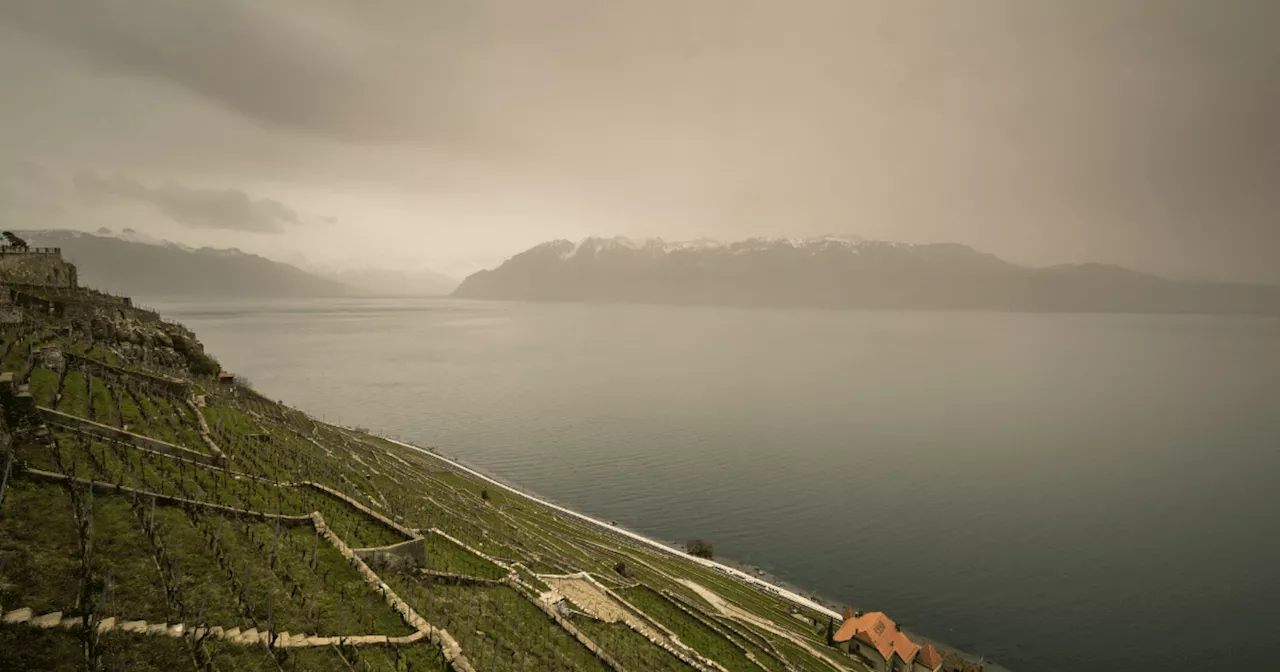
453	134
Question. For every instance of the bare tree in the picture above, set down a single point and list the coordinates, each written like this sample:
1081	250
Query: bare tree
700	548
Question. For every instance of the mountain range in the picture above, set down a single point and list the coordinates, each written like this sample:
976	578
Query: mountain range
135	263
842	273
388	282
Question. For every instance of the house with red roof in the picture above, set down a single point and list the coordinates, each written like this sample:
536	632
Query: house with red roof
879	641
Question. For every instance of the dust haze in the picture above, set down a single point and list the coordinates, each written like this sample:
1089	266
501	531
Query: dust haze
452	135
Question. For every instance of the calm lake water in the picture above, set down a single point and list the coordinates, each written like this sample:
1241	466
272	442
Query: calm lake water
1057	492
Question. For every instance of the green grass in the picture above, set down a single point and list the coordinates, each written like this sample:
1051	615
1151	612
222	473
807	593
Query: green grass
132	414
17	357
104	406
628	647
74	398
692	632
136	591
497	627
445	556
529	578
43	385
38	542
26	648
356	529
311	587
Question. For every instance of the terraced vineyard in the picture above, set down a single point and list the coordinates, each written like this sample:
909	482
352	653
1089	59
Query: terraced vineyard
154	517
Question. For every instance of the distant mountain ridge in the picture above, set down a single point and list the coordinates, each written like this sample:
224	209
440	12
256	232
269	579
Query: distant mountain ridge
390	282
832	272
133	263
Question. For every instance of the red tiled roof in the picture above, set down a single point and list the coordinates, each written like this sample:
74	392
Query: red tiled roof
879	631
929	656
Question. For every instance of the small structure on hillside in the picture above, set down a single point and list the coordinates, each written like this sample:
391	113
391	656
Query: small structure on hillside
226	377
879	641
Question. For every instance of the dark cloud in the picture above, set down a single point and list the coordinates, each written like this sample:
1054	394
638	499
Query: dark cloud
227	209
273	66
1136	132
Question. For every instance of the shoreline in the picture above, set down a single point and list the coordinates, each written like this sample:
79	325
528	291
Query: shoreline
773	588
734	572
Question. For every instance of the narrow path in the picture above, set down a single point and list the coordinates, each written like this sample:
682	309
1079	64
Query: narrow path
737	613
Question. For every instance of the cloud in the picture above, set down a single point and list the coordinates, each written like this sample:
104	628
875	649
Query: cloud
226	209
1136	132
301	70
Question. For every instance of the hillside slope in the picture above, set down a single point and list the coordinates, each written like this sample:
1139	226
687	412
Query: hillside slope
118	264
155	517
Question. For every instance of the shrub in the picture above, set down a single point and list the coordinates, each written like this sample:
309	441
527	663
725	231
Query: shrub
699	548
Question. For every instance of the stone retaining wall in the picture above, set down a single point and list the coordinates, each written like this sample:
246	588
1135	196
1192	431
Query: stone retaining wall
397	527
235	635
396	557
205	436
699	617
670	643
568	627
448	645
730	625
458	579
36	266
103	486
16	402
475	551
178	388
36	303
116	435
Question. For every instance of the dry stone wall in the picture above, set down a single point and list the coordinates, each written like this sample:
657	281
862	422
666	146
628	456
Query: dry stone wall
568	627
172	386
643	624
116	435
396	557
170	499
448	645
406	531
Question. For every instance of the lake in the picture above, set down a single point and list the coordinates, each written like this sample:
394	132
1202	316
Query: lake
1055	492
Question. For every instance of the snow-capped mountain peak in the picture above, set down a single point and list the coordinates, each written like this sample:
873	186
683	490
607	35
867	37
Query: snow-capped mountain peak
594	246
